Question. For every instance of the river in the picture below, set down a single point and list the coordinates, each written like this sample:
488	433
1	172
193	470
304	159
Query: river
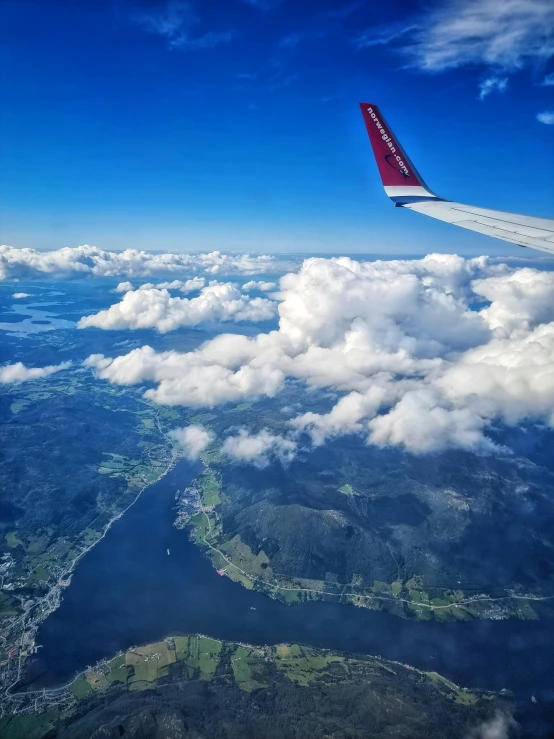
128	590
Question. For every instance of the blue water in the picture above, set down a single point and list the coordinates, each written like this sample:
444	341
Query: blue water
128	591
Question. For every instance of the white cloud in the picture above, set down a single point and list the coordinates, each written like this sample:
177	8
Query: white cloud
19	373
193	440
19	296
185	286
123	287
258	449
414	362
505	35
176	22
519	300
492	84
383	35
83	261
548	80
546	117
421	422
150	307
188	379
499	36
259	285
499	727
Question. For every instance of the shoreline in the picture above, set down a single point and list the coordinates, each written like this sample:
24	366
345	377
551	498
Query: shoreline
52	599
355	598
63	695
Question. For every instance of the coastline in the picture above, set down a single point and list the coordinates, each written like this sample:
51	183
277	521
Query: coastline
278	589
25	632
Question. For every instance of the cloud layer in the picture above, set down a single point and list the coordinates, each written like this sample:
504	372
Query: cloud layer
423	354
18	372
83	261
151	307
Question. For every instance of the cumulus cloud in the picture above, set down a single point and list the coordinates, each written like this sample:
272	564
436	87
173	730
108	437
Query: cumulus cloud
185	286
189	379
150	307
424	354
259	285
258	449
19	296
18	372
192	439
83	261
546	117
123	287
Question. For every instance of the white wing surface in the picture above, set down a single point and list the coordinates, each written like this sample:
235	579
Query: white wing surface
406	188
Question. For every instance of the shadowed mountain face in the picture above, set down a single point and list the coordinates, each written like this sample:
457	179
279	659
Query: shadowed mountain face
220	689
455	519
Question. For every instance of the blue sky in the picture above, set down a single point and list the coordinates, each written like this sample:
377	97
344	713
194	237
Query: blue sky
233	124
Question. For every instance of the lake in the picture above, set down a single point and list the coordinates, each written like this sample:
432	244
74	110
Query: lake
127	591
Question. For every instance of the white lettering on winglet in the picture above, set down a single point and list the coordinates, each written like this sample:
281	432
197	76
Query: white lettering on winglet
387	138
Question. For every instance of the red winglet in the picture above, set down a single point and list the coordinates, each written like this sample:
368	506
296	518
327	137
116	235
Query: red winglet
395	167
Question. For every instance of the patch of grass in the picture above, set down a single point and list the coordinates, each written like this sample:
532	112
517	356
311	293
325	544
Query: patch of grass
208	665
158	652
347	489
203	417
396	587
28	726
117	661
139	685
145	671
303	665
381	587
19	405
37	544
210	489
290	596
181	647
242	556
81	688
119	675
96	680
12	540
282	651
242	669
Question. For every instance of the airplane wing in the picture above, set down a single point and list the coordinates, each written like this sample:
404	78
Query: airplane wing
406	188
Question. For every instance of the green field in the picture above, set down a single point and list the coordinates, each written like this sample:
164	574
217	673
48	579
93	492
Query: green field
365	686
210	488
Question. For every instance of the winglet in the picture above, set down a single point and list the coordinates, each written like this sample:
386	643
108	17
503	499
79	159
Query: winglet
401	180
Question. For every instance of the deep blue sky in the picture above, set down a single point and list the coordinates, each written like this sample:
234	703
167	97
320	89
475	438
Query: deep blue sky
130	124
